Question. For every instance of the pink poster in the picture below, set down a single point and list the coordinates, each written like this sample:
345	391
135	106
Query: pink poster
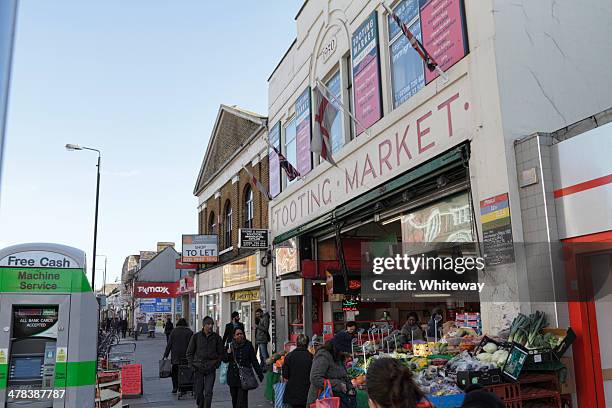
443	33
366	73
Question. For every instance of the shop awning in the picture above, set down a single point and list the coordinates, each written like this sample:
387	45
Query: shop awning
419	174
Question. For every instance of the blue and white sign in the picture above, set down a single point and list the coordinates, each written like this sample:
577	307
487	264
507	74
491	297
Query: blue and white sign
155	305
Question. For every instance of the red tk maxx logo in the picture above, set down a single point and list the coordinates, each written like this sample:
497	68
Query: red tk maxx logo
153	289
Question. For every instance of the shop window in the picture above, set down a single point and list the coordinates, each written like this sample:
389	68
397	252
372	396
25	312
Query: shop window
248	207
407	70
212	224
295	314
290	144
228	225
337	135
211	307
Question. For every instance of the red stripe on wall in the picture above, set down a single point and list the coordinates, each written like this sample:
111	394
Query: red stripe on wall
587	185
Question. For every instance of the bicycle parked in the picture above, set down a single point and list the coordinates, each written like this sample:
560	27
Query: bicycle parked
105	341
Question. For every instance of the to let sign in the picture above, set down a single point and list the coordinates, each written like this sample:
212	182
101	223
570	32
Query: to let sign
200	248
253	238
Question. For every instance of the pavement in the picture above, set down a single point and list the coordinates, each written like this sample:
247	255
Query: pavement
157	391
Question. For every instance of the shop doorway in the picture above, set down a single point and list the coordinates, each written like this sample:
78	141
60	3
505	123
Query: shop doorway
245	317
589	270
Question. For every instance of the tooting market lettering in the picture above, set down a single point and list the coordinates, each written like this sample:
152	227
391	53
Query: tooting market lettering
432	130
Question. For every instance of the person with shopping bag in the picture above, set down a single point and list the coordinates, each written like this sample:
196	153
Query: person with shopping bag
204	354
177	349
391	385
242	361
296	371
329	365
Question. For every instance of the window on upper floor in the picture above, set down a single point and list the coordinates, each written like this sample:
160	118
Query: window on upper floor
290	144
248	207
337	135
407	71
212	224
227	236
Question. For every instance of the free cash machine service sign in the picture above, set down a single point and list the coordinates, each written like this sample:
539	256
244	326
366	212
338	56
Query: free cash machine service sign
41	271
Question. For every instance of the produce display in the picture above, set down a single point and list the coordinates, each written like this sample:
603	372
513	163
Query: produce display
441	369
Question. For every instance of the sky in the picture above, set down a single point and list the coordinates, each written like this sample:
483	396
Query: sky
142	81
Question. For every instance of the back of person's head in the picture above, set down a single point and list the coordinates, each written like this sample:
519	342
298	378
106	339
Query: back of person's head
478	397
390	385
181	322
302	340
331	348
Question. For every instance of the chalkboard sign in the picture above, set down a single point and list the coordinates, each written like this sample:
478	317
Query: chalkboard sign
497	230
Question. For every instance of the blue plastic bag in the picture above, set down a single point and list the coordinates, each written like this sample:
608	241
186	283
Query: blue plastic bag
279	393
223	373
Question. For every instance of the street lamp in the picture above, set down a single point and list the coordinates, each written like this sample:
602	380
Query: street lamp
73	147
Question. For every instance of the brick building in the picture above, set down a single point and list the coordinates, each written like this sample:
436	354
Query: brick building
228	200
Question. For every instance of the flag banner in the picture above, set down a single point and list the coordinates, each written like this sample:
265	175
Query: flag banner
262	189
325	114
303	132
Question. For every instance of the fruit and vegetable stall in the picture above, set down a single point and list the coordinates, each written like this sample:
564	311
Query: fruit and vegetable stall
521	364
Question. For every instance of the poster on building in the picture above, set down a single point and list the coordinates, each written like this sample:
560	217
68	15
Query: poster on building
200	248
444	34
273	160
303	132
286	255
497	230
366	73
155	305
253	238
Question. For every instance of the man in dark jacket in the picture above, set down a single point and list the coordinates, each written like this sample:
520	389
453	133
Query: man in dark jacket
177	348
204	355
234	324
296	370
344	339
262	336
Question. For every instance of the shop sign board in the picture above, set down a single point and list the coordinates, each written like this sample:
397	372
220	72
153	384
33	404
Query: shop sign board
273	160
302	133
245	295
155	305
253	238
131	380
497	230
292	287
366	72
182	265
404	142
286	255
200	249
154	290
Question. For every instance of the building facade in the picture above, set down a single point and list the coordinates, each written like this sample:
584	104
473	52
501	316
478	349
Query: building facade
431	160
229	201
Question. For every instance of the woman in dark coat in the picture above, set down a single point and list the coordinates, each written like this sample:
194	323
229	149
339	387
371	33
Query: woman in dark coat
296	370
240	353
328	364
177	347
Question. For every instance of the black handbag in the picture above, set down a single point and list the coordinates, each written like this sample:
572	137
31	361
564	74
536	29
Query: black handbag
247	376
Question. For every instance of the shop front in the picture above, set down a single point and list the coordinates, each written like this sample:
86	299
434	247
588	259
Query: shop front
242	291
153	300
184	303
209	284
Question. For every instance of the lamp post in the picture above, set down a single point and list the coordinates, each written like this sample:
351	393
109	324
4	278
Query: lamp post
73	147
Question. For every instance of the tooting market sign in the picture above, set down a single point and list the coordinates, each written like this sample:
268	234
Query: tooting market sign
436	126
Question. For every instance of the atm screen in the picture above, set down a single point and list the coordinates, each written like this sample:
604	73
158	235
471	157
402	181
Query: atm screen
26	368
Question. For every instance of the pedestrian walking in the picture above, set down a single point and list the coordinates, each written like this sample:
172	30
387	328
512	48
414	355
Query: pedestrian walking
234	324
262	336
329	364
151	327
123	324
204	354
168	327
391	385
177	349
296	371
240	353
